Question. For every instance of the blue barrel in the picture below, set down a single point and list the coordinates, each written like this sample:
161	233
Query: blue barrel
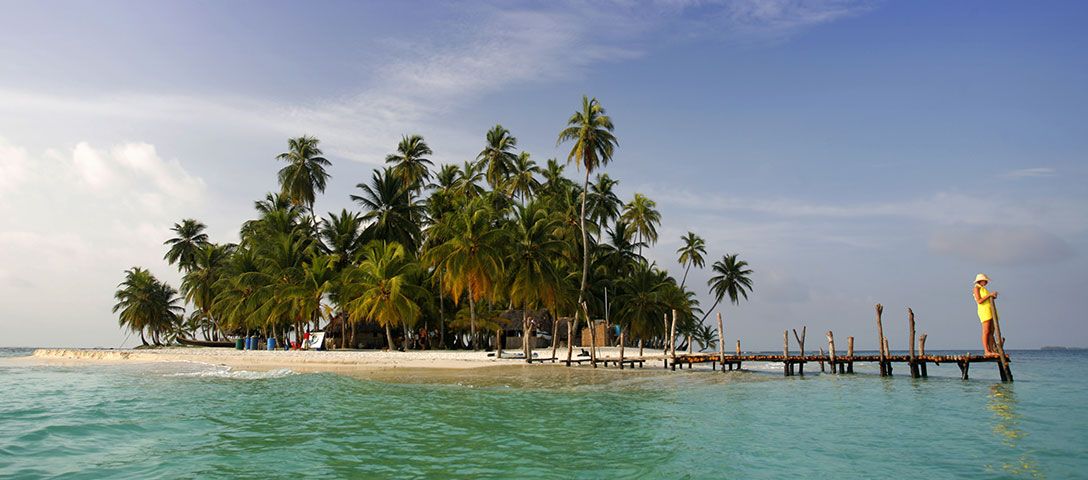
271	343
249	342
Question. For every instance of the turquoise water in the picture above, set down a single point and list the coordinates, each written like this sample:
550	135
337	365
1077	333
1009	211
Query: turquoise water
194	421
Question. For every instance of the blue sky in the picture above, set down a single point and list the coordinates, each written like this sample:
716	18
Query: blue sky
854	152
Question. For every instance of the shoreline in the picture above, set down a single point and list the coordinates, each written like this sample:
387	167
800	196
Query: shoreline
298	360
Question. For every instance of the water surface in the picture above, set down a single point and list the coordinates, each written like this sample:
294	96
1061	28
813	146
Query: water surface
191	420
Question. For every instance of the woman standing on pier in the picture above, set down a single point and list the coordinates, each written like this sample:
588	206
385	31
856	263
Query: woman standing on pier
984	299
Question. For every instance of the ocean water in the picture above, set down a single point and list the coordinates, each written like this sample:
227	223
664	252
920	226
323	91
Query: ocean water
200	421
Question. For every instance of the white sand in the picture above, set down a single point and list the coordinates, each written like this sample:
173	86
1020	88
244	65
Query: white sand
264	360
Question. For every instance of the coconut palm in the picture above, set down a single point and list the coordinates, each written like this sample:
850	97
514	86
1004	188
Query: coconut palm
691	253
392	213
522	182
144	304
342	236
200	284
590	132
189	239
604	205
304	176
470	261
498	157
733	279
410	164
533	278
384	288
642	215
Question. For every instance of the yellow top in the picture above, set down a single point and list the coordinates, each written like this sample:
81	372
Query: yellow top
985	314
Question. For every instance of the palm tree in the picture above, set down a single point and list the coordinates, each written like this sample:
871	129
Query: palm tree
498	157
304	175
642	215
410	164
604	205
470	261
593	143
522	182
384	288
201	284
392	213
144	304
189	239
641	301
533	278
342	236
691	253
733	279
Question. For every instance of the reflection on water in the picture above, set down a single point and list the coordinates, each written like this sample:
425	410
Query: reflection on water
1002	402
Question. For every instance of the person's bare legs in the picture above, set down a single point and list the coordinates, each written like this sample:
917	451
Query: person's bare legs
988	338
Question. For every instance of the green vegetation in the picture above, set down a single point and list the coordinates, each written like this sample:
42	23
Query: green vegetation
440	257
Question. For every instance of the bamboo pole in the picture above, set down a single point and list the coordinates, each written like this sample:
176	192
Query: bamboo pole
850	354
914	372
880	339
1003	363
721	341
738	354
570	339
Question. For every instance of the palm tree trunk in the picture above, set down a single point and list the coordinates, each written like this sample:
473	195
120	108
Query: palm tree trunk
142	339
441	319
585	270
682	282
472	321
555	333
405	335
389	338
525	347
498	345
640	347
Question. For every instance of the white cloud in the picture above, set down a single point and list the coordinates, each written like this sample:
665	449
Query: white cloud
1030	172
78	218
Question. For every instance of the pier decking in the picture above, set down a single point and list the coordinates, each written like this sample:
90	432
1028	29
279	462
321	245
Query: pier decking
916	360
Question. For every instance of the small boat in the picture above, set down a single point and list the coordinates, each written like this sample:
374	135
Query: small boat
204	343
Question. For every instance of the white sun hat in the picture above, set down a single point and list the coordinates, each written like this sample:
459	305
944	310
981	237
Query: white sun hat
980	277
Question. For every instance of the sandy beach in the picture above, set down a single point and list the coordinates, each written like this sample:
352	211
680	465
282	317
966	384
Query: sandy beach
265	360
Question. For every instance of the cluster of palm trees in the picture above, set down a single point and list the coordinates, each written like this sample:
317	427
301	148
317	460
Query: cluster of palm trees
451	248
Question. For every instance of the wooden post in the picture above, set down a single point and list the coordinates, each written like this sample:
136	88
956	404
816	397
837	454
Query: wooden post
821	359
640	347
738	354
831	350
672	336
880	340
665	333
1002	361
555	336
786	352
914	372
887	351
801	344
721	341
922	348
570	339
850	354
622	338
965	364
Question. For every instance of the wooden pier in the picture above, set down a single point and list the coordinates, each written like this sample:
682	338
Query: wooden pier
916	360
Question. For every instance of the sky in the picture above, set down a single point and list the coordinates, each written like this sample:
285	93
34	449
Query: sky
853	152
